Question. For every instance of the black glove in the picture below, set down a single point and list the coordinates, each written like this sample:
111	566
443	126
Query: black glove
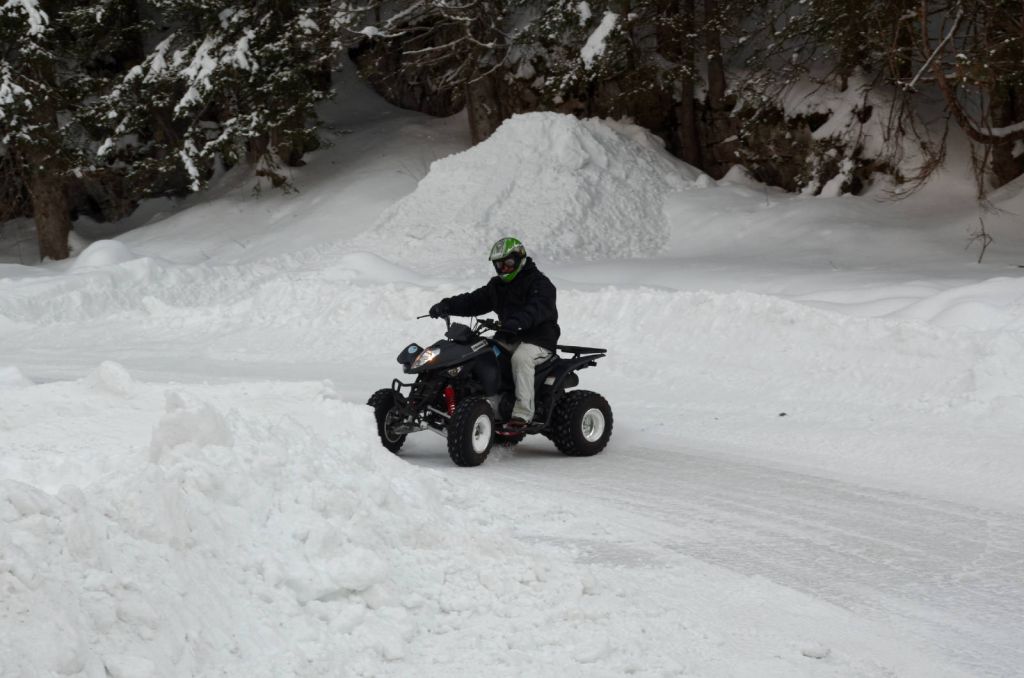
439	309
512	326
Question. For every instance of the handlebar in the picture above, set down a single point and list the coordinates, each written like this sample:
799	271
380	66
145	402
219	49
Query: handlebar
489	324
486	323
447	319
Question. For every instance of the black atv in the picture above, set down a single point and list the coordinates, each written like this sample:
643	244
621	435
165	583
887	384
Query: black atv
464	392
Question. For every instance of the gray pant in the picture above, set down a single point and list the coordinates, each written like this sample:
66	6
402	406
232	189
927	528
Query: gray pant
525	358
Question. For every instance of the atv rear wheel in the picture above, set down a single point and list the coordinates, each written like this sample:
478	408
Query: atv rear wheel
471	432
581	423
383	404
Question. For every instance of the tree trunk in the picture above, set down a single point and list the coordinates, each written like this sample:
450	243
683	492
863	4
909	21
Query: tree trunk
686	112
52	213
713	49
1007	109
1008	103
484	108
718	154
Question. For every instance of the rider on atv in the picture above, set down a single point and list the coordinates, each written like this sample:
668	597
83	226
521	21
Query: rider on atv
524	300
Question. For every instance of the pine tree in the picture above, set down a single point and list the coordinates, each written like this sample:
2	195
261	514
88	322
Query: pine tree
55	57
35	142
452	50
226	81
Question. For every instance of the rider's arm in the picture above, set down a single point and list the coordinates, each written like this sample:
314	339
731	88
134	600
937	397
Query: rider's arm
477	302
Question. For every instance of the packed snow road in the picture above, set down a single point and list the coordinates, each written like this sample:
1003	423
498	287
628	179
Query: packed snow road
942	575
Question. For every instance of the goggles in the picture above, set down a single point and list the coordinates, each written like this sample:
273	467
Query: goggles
506	265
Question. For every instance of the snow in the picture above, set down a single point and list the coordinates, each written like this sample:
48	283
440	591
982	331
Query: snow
212	536
198	73
38	20
595	45
157	62
10	91
102	253
585	12
859	116
611	181
815	469
11	377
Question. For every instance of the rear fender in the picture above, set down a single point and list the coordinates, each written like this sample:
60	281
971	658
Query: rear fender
560	377
564	375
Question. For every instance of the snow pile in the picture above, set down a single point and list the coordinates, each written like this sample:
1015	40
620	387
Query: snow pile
258	529
993	304
103	253
12	377
590	189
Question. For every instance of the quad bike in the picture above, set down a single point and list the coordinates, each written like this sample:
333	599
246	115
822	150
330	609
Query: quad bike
463	390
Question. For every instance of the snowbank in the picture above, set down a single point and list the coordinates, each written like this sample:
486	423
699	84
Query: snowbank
259	530
568	188
103	253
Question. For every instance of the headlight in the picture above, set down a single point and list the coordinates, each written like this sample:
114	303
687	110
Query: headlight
425	357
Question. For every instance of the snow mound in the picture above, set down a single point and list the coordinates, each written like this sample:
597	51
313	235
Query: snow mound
112	378
590	189
198	425
994	304
263	532
12	377
103	253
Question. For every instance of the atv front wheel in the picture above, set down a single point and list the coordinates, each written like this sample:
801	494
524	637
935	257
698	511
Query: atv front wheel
471	432
383	404
581	423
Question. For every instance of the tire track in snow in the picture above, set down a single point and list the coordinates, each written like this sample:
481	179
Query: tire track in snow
945	575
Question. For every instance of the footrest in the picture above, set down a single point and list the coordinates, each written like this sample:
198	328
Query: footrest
534	427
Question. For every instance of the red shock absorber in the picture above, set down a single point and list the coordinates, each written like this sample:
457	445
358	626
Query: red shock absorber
449	399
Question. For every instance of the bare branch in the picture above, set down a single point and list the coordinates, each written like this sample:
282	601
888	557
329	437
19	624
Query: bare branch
941	45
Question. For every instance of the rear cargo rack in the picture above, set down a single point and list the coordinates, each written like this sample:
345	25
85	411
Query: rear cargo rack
578	351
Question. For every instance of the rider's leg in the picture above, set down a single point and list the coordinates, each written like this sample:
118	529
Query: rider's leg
524	361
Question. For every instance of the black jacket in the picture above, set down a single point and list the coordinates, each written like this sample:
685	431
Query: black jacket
526	303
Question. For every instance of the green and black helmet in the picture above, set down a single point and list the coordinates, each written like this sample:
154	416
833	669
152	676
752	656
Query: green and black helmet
508	256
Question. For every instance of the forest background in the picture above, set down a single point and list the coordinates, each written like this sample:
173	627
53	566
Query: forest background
106	103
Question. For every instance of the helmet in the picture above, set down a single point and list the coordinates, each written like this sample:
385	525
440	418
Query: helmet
508	256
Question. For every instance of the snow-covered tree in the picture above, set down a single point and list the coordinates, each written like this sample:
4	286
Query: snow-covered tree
437	50
660	62
225	81
972	51
54	57
33	139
